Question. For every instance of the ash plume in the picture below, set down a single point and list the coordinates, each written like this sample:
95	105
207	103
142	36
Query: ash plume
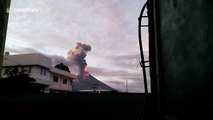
56	59
77	56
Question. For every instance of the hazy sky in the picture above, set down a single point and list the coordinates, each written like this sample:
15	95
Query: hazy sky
53	27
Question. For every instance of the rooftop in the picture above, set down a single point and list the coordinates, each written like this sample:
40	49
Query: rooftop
27	59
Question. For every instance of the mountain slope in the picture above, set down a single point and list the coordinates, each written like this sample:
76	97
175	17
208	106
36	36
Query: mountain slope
90	83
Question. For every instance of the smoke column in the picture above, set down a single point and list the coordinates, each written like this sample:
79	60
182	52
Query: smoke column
77	56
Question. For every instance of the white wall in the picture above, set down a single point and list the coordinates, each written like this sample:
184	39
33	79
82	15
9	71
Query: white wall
44	76
36	73
60	85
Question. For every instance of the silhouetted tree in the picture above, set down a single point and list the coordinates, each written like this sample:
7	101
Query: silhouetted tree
17	81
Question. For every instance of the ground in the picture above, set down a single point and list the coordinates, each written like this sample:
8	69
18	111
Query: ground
111	106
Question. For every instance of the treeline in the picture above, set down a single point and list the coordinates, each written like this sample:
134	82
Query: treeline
18	81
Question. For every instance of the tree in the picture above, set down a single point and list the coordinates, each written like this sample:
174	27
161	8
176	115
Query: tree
17	81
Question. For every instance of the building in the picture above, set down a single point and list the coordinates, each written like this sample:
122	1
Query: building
40	68
62	78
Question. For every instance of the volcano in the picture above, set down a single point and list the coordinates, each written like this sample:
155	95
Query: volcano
91	84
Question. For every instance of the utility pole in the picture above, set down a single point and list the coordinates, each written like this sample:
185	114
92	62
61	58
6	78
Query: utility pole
126	86
4	7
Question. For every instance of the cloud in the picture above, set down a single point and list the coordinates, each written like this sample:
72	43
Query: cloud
127	61
121	82
117	78
17	50
114	78
56	59
109	26
105	24
97	71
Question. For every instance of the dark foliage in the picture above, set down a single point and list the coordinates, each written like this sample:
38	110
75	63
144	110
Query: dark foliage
17	84
18	81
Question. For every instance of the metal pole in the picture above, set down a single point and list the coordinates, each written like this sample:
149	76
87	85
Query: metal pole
141	50
126	86
4	14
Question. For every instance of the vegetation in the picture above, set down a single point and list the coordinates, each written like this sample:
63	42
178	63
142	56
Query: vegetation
17	81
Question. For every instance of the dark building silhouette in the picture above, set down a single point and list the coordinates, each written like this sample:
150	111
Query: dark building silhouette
62	67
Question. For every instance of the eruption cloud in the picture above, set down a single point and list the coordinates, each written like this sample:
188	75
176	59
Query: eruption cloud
77	56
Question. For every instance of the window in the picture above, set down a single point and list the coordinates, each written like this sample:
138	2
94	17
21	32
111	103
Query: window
44	72
41	71
55	78
64	81
71	82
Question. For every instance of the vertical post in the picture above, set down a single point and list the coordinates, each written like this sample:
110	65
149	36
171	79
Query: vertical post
141	50
154	55
4	14
126	86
